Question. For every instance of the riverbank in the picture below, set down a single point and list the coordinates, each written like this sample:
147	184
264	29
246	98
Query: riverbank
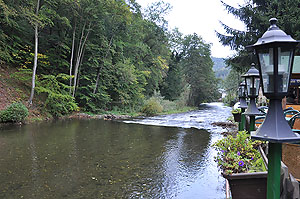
12	91
112	115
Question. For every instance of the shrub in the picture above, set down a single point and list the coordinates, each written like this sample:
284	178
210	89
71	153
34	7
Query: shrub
238	154
60	104
58	101
16	112
151	107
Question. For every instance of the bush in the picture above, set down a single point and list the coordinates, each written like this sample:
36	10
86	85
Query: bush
152	107
16	112
58	101
60	104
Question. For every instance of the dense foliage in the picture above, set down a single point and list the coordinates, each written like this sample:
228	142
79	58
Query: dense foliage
102	54
151	107
16	112
255	14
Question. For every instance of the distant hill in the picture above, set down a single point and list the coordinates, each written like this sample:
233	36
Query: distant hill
220	67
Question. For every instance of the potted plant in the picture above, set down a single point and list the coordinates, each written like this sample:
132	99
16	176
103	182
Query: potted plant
237	114
241	164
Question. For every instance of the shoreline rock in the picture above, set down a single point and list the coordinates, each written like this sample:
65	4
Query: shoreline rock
224	124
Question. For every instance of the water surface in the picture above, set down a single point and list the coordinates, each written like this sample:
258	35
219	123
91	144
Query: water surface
160	157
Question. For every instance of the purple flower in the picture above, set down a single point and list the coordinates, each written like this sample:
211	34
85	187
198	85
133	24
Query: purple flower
238	153
241	163
223	151
252	158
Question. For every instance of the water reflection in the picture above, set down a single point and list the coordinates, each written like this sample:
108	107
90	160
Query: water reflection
106	159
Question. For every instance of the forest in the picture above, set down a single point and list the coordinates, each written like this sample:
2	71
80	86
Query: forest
99	55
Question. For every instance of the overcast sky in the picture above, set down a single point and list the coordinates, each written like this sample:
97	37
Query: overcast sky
202	17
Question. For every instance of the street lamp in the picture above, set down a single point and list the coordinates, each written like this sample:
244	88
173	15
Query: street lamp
252	83
275	54
243	104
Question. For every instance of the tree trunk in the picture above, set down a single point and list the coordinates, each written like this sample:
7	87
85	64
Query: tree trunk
79	57
36	35
71	61
97	80
99	70
78	76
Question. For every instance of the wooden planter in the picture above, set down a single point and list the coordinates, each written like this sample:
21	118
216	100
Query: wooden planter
248	185
237	117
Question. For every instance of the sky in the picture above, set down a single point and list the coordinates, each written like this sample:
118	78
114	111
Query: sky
202	17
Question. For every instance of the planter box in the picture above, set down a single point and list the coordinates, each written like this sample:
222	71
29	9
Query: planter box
237	117
248	185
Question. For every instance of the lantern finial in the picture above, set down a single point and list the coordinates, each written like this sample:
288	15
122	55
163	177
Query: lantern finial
273	26
273	21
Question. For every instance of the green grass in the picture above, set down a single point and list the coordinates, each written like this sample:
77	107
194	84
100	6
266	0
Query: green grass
180	110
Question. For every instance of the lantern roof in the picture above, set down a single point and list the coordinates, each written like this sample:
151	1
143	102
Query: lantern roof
252	72
274	35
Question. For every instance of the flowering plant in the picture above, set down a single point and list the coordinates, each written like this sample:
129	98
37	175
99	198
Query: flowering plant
238	154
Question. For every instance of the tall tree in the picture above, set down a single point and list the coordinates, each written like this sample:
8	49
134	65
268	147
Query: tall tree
36	44
173	83
255	15
197	66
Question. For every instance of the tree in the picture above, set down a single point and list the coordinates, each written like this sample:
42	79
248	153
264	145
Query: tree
255	15
197	66
7	15
36	44
172	85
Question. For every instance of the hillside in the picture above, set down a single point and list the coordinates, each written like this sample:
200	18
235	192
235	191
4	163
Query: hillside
12	91
220	67
8	93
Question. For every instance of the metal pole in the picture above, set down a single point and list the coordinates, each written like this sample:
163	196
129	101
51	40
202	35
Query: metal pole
252	123
274	166
240	125
243	121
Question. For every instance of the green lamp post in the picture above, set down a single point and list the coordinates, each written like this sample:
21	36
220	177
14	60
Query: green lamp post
275	54
252	84
243	104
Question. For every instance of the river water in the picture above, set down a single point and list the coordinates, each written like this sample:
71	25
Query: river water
158	157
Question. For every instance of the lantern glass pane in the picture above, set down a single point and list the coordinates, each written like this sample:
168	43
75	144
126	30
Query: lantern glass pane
256	83
284	68
248	84
240	92
267	69
243	91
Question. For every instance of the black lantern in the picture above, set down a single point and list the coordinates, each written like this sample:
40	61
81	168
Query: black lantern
242	95
275	54
253	85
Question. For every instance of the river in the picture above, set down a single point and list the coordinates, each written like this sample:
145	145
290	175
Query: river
158	157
